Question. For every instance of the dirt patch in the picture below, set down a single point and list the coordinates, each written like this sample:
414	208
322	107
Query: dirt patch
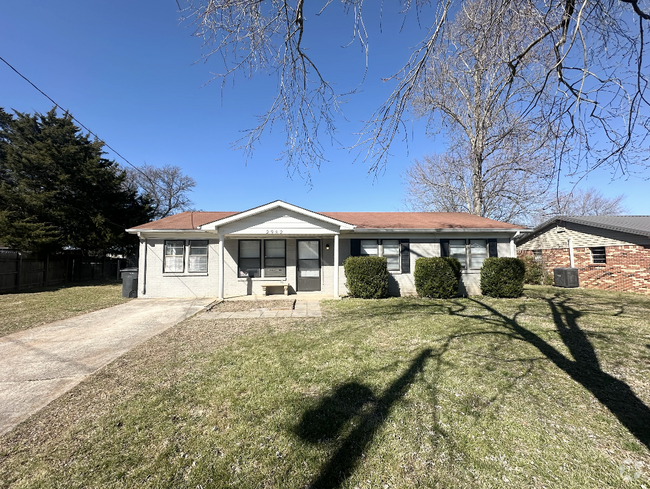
253	305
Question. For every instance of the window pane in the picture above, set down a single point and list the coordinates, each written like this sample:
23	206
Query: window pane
391	247
598	255
174	256
174	264
308	250
174	247
369	247
274	248
478	252
198	263
457	250
249	265
198	247
249	249
273	262
393	263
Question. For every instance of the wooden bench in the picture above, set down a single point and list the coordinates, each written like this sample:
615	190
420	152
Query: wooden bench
277	284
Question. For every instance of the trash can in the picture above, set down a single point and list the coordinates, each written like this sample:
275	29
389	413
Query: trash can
129	282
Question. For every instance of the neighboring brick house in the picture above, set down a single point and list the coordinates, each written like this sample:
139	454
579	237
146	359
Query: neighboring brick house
610	252
282	247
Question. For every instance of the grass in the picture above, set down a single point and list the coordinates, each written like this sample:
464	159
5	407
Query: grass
549	390
32	308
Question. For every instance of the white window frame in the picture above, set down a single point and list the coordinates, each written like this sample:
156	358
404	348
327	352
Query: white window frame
176	256
193	245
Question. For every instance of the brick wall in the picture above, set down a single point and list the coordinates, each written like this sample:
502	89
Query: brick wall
627	268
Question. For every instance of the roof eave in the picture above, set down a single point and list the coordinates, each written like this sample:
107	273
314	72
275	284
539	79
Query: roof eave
440	230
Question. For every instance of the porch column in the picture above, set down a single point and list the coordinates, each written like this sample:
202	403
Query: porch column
336	265
222	250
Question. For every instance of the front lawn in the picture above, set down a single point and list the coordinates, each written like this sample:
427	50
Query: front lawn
549	390
32	308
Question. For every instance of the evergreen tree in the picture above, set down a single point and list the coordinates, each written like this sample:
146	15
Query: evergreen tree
57	191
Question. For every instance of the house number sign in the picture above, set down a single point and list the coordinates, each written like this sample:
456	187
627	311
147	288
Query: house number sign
274	231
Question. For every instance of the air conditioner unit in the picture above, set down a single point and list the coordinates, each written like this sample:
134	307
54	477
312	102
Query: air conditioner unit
566	277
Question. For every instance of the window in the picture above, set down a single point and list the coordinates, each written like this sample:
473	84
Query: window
275	262
197	260
477	252
174	252
472	252
457	250
391	252
390	249
249	258
369	247
598	255
537	256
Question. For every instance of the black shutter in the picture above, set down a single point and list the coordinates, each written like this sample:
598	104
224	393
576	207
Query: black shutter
492	247
444	247
355	247
405	255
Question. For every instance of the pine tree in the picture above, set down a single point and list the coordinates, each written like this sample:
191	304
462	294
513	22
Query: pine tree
57	191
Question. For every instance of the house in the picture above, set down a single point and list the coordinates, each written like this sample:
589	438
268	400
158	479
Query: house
283	248
610	252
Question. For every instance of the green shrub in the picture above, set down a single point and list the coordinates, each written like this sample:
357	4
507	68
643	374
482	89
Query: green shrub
534	270
455	265
502	277
366	276
437	277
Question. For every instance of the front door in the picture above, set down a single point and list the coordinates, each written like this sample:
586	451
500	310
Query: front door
308	269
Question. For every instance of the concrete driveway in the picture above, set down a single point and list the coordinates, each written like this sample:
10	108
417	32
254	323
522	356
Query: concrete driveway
40	364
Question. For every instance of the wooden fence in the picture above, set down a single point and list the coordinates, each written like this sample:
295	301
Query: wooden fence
19	270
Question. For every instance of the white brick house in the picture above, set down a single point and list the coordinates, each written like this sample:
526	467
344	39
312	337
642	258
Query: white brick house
226	254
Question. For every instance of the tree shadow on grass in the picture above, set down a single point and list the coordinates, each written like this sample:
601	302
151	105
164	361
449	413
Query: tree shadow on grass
327	420
585	368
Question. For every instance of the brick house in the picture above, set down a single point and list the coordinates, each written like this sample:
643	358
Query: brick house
279	247
610	252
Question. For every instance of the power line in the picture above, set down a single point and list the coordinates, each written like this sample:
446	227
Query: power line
67	112
89	131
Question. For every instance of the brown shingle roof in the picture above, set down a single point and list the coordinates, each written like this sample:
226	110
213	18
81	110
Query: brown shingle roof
418	220
185	220
366	220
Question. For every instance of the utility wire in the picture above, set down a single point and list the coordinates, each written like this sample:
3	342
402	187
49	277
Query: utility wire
79	122
89	131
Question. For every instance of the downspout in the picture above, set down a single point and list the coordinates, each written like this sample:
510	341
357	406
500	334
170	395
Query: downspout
570	244
144	265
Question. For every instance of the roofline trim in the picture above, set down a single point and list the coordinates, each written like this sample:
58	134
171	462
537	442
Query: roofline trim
273	205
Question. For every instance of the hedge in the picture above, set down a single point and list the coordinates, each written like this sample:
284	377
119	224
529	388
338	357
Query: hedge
502	277
437	277
366	276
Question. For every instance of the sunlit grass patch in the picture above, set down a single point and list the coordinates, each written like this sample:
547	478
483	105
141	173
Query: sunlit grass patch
389	393
32	308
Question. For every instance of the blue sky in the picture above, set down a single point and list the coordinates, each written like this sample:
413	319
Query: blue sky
127	71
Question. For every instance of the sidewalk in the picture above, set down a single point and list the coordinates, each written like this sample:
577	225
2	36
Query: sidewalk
302	309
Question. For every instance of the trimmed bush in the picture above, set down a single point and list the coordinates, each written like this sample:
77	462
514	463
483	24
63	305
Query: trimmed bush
502	277
455	265
436	277
366	276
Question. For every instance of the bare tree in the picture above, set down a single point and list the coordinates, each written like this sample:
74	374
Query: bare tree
597	81
166	188
501	159
513	192
579	202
